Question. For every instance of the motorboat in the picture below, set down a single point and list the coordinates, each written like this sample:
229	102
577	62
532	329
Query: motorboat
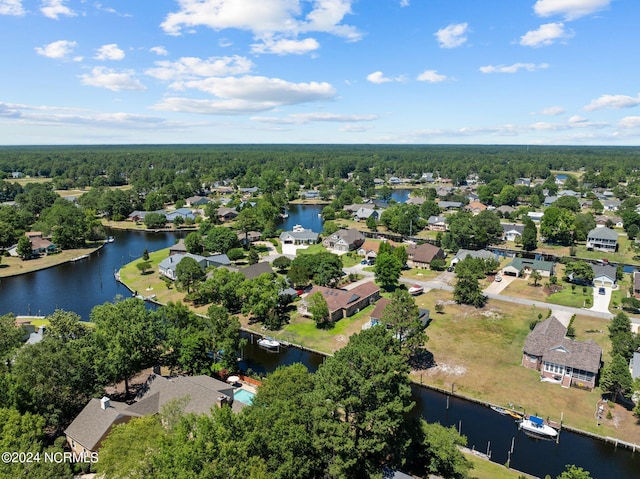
110	239
535	425
269	343
500	410
416	289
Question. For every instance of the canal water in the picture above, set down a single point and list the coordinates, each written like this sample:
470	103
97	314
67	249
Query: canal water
80	286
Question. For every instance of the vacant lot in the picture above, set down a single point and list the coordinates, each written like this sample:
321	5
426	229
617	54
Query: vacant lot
478	353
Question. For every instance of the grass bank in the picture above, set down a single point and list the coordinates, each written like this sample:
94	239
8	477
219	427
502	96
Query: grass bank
11	266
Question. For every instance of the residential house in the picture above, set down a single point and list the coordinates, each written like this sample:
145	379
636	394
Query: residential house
475	207
197	201
420	256
178	248
511	232
535	216
184	213
437	223
344	240
523	266
427	178
299	236
523	182
370	248
611	205
227	214
311	195
561	359
416	200
254	270
602	239
463	253
394	180
604	275
549	200
167	266
39	244
634	365
138	216
365	213
450	205
636	284
249	237
569	193
248	191
17	175
614	221
505	210
355	207
199	393
378	181
343	303
376	315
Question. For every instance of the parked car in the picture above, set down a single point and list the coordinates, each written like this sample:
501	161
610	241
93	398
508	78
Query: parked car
601	291
498	278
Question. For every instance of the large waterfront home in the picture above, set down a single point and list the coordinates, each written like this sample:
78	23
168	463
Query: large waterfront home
560	359
602	239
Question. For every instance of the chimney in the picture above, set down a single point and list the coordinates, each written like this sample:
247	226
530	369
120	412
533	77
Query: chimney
104	403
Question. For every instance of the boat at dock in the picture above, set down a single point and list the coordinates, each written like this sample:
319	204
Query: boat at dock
535	426
110	239
500	410
269	343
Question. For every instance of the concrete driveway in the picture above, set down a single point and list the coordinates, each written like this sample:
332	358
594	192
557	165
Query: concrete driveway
497	286
601	301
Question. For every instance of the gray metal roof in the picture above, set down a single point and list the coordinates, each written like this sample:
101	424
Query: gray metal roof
603	233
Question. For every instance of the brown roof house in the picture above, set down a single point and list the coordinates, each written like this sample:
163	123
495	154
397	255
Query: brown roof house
198	393
344	241
343	303
370	248
560	359
420	256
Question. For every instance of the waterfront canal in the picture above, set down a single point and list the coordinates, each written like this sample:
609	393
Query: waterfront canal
82	285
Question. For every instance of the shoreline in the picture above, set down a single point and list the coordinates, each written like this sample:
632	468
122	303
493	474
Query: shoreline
53	265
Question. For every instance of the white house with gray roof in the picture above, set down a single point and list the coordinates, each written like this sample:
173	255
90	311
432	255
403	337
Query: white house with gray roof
299	237
602	239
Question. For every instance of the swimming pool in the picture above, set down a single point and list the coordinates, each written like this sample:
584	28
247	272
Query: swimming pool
243	396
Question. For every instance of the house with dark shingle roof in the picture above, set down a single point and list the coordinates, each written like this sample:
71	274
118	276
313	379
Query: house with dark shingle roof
198	394
343	303
437	223
604	275
420	256
561	359
511	232
254	270
602	239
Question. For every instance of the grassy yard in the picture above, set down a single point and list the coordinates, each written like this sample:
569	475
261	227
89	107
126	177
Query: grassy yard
572	295
419	274
484	469
11	266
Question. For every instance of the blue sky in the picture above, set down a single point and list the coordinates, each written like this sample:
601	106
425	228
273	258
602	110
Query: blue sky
320	71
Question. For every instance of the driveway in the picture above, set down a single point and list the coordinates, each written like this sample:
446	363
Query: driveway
601	301
497	286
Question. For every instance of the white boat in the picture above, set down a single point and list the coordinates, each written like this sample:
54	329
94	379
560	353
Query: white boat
535	425
110	239
268	343
416	289
78	258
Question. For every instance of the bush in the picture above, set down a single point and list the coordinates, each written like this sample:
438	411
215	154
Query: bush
235	254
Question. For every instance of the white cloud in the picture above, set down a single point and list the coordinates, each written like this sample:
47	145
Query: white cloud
302	118
48	115
103	77
193	67
285	46
577	119
545	35
378	77
159	50
109	52
246	95
404	3
630	122
55	8
452	35
11	7
613	101
431	76
570	9
59	50
531	67
552	110
355	128
264	18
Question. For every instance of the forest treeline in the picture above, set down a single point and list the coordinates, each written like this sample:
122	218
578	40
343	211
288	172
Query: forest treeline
309	165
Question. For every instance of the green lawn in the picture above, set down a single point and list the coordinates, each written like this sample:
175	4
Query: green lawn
571	297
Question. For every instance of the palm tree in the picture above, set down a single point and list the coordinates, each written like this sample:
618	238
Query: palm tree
536	276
